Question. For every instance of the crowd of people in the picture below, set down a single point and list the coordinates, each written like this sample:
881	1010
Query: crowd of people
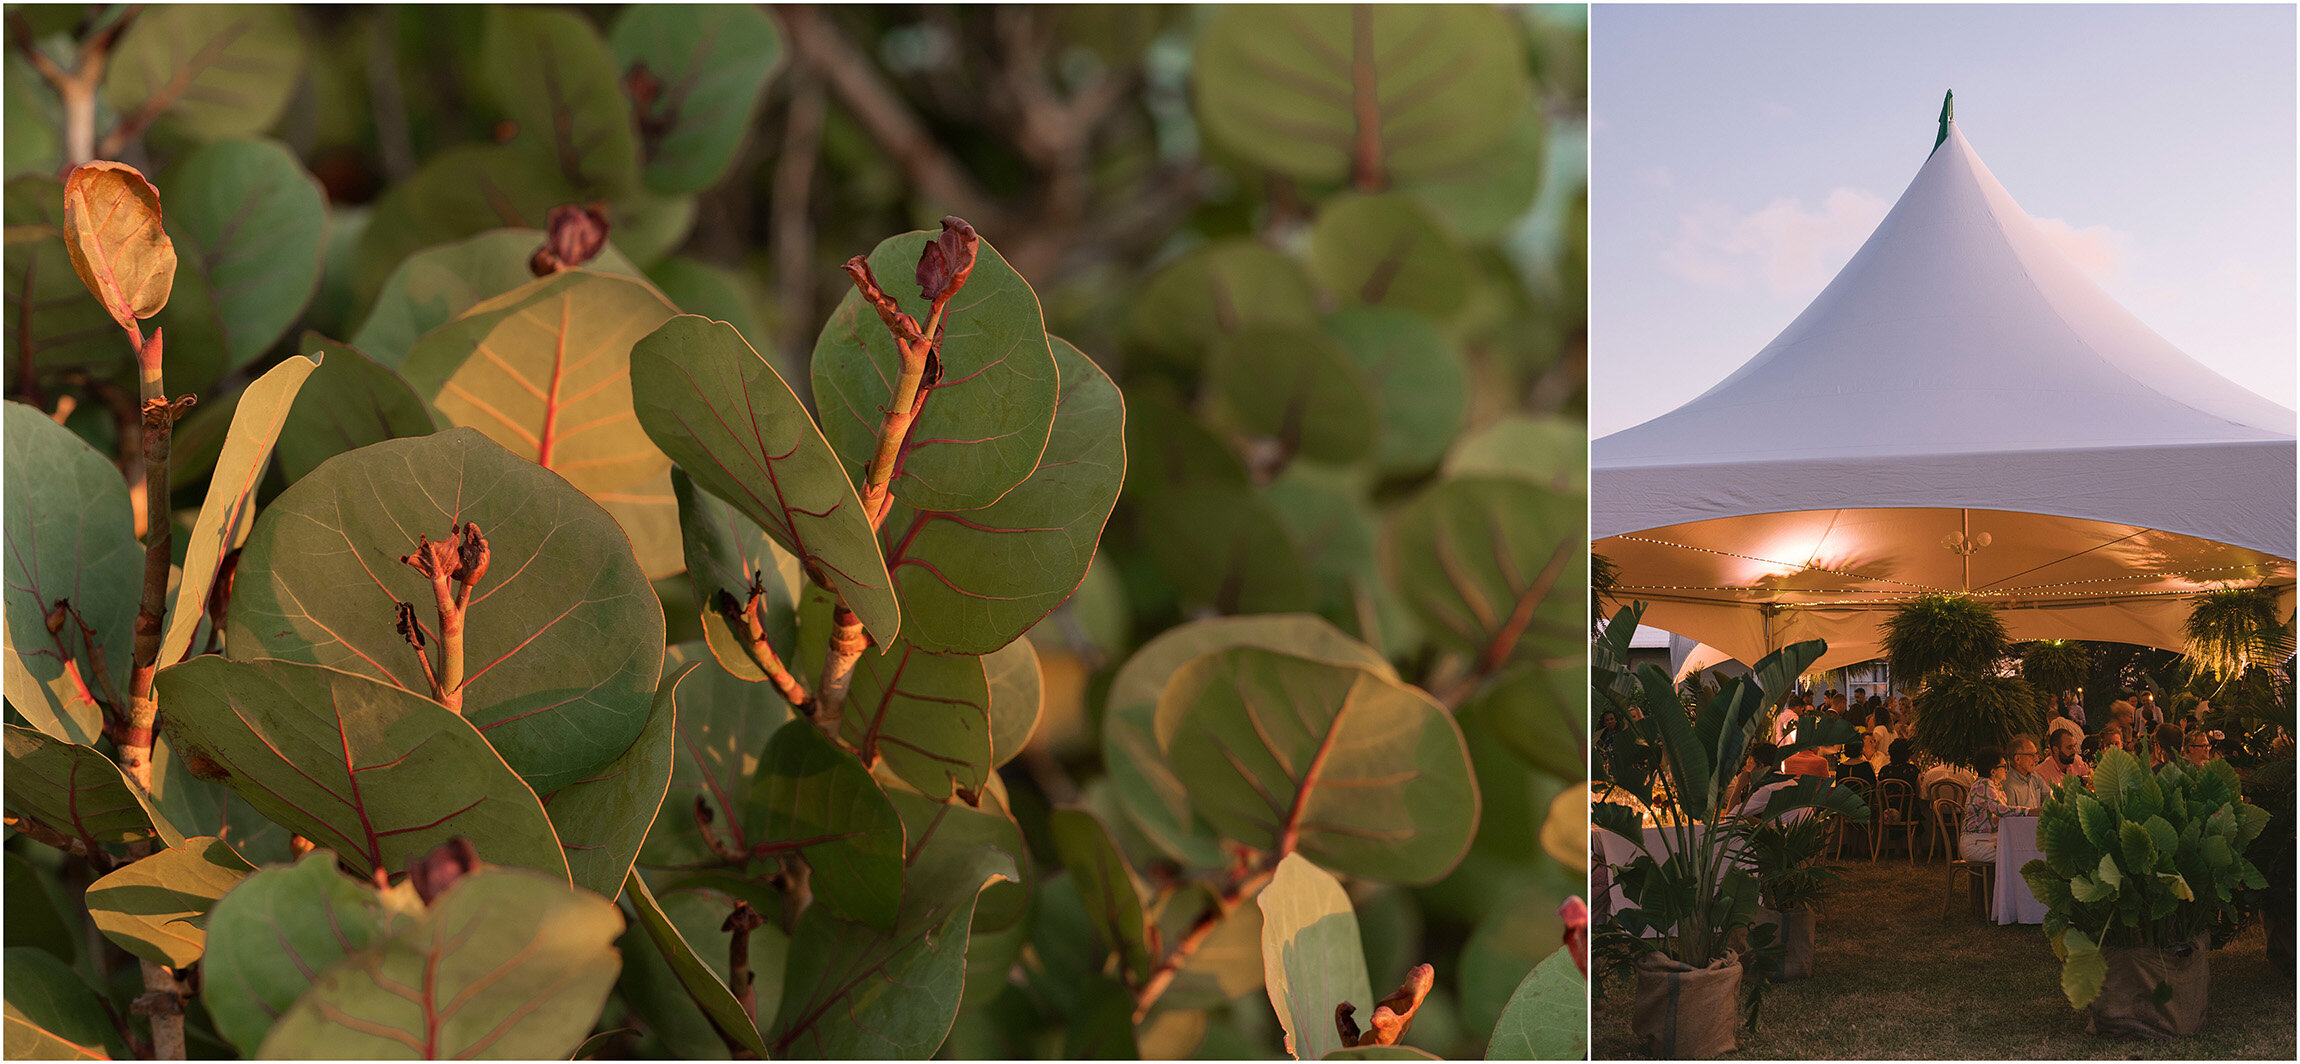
2015	779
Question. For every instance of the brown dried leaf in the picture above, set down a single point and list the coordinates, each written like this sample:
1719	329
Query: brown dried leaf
113	233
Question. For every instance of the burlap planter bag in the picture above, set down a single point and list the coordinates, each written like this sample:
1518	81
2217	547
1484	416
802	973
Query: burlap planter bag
1686	1013
2127	1008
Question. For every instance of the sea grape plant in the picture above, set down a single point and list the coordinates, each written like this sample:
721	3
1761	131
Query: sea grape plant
555	666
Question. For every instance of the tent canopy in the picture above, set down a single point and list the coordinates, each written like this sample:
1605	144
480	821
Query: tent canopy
1960	410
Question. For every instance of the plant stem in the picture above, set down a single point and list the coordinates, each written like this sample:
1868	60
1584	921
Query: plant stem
741	923
1169	966
75	88
847	645
745	620
135	739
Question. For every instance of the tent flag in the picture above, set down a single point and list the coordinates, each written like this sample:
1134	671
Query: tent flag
1948	115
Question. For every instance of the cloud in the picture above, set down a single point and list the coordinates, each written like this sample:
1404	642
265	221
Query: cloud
1790	249
2099	251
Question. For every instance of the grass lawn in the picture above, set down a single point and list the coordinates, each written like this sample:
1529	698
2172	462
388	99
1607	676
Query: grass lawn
1893	980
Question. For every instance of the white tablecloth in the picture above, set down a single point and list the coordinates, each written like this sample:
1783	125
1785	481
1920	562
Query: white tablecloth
2016	847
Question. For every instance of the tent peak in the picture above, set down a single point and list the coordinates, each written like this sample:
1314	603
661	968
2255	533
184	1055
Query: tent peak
1948	118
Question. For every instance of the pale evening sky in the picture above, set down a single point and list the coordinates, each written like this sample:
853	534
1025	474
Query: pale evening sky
1740	154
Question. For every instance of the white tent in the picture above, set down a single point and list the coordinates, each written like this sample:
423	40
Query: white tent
1961	409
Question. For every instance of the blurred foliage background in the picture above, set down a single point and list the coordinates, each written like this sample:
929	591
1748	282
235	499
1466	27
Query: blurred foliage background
1352	352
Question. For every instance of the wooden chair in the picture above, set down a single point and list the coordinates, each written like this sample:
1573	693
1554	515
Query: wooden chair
1868	827
1947	817
1938	791
1897	810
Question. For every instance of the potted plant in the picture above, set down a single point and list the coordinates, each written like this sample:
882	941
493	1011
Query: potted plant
1960	710
1780	852
2135	874
1690	892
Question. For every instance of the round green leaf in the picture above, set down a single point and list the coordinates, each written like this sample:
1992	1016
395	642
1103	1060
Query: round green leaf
1167	447
1145	786
711	63
348	403
158	907
71	537
1482	198
1496	568
1298	387
684	1017
1541	715
971	581
458	193
375	773
1367	775
601	818
719	410
1284	86
1416	378
852	991
561	644
1216	290
35	139
35	909
272	933
927	714
49	310
1550	451
79	792
545	371
246	220
1325	510
1385	250
436	285
726	551
508	964
52	1014
814	799
551	74
1222	546
985	423
1113	899
722	724
1311	956
1017	695
715	292
210	70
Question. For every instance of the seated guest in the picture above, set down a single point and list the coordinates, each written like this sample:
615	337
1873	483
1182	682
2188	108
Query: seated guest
1899	765
2165	745
2064	761
1757	761
1984	806
2197	746
2093	745
1806	763
2114	735
2021	785
1856	767
1785	722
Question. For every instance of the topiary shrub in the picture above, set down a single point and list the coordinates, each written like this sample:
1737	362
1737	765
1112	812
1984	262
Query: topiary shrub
1961	711
2055	665
1936	632
2233	629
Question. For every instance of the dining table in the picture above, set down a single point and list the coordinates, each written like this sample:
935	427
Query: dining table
2016	847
